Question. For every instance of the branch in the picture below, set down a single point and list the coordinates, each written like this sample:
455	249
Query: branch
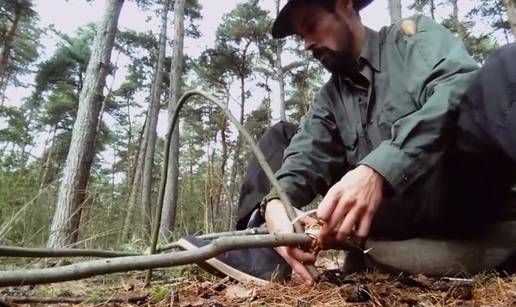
125	264
210	236
293	65
9	251
71	300
298	228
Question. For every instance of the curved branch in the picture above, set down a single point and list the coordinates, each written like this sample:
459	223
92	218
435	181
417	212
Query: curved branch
10	251
257	152
125	264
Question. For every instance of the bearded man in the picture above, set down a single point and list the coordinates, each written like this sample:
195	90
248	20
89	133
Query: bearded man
406	140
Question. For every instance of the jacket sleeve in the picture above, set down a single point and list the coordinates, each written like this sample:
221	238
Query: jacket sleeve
315	156
438	70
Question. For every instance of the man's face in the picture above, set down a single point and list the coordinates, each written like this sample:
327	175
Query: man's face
327	35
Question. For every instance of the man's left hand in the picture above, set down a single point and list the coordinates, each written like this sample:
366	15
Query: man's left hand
350	205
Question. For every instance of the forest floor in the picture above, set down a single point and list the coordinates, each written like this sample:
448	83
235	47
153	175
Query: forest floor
189	286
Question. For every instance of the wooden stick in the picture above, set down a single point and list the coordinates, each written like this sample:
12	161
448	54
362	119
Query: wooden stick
211	236
124	264
72	300
12	251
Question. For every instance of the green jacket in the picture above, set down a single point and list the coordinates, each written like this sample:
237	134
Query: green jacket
394	117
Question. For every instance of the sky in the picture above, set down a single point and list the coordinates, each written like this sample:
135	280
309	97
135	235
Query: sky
68	16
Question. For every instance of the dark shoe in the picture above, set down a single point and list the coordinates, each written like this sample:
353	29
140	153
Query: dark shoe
434	257
258	265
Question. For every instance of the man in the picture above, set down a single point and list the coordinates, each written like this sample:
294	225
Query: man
383	141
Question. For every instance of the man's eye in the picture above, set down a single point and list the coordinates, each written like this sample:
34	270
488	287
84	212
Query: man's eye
312	26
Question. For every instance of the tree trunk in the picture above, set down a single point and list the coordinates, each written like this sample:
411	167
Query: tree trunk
456	21
153	122
511	15
65	224
168	217
432	9
236	161
280	71
395	10
135	184
6	51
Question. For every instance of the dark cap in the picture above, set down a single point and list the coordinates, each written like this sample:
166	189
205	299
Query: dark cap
282	26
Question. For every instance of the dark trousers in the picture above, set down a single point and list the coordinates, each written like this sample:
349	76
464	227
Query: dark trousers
468	189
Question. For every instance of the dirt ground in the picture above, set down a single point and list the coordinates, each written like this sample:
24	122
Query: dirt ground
189	286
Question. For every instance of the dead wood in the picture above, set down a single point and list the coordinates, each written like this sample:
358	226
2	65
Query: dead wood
11	251
124	264
72	300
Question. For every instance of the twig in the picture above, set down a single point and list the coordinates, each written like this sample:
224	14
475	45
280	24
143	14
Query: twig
11	251
72	300
210	236
124	264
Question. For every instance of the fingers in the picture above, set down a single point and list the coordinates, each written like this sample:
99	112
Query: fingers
328	204
349	222
296	265
301	256
365	225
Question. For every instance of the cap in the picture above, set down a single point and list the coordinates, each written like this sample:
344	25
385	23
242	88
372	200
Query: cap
282	26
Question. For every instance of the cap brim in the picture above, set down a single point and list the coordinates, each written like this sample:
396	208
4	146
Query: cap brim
282	27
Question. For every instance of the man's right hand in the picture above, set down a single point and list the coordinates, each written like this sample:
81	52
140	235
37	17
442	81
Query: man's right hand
278	223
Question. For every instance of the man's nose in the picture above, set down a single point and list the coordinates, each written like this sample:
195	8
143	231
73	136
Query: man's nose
309	45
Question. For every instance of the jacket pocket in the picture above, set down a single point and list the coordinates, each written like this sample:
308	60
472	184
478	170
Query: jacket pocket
350	140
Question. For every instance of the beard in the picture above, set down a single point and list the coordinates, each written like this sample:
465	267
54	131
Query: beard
341	62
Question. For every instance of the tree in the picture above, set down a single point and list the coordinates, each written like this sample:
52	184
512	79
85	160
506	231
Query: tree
19	36
510	6
395	10
420	5
64	227
176	71
237	38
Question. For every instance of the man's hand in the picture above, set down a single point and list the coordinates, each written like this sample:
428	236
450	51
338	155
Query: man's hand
350	205
278	223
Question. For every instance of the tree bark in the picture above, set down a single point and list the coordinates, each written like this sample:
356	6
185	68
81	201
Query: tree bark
395	10
511	15
280	71
153	122
65	224
168	217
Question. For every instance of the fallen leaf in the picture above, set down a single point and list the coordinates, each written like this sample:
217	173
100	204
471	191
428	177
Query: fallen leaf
238	292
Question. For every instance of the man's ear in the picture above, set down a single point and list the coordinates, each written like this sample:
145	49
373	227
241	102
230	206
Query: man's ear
344	7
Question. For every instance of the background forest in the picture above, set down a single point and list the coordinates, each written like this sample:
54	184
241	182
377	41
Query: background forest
83	111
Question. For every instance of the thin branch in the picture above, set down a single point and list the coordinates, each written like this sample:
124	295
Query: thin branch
293	66
10	251
125	264
72	300
210	236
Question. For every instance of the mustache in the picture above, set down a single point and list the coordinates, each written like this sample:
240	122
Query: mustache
320	51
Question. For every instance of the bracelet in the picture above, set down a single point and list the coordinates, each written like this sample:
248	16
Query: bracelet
265	201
